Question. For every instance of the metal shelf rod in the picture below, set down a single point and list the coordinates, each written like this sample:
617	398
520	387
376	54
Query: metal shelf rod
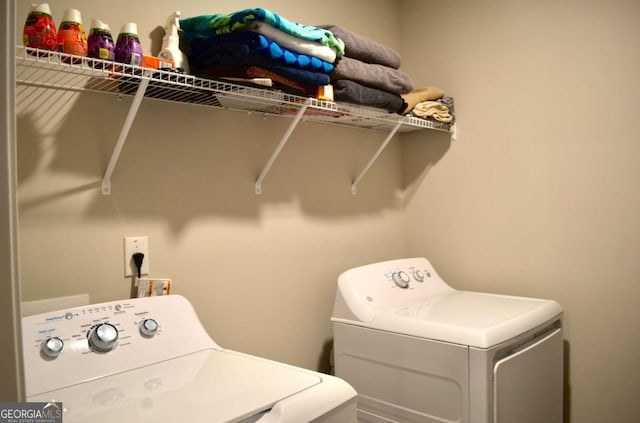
356	182
133	111
280	146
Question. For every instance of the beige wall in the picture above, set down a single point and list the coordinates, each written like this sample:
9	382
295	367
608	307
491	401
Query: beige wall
540	195
537	197
260	270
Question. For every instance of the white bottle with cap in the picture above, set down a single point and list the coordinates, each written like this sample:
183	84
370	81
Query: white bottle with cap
171	43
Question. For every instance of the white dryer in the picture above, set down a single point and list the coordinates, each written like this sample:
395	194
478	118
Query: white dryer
150	360
420	351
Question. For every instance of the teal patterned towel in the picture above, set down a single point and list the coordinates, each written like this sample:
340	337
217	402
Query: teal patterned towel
201	27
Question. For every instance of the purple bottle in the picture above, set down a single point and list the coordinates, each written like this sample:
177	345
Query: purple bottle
128	48
100	43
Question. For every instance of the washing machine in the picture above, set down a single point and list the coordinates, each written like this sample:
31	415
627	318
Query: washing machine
417	350
150	360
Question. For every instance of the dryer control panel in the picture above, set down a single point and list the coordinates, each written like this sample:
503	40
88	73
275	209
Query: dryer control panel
70	346
414	273
380	287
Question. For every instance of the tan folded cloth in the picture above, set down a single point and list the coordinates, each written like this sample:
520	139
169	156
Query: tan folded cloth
421	94
433	109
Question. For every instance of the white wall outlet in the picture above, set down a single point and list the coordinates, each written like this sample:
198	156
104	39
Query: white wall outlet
132	245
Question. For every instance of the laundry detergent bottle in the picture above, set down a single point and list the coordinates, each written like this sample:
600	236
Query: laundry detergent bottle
39	29
71	36
100	41
128	48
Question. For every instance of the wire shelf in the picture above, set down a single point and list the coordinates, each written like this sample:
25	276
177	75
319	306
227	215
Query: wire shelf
60	71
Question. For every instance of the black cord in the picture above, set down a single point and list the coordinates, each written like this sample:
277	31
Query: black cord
137	259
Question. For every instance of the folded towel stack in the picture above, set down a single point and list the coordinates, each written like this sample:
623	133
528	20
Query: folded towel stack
258	43
369	74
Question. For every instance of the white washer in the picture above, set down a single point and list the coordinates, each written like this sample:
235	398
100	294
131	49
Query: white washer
417	350
150	360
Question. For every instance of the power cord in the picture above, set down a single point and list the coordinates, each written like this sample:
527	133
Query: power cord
137	259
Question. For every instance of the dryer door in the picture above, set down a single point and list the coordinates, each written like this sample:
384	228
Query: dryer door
527	385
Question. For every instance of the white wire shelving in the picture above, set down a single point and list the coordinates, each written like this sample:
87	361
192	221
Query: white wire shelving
59	71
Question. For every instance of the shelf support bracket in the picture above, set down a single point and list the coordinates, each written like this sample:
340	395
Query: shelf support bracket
133	111
356	182
280	146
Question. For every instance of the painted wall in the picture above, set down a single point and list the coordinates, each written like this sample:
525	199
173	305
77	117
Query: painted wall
260	270
539	196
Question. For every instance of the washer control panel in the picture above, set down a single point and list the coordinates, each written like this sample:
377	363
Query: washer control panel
91	329
70	346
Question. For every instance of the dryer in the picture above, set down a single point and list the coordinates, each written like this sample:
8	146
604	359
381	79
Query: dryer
150	360
417	350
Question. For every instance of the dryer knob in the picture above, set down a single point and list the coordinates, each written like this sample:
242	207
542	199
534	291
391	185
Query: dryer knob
103	338
148	328
418	275
52	347
401	279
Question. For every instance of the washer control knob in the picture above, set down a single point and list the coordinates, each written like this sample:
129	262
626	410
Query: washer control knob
148	328
418	275
52	347
401	279
103	338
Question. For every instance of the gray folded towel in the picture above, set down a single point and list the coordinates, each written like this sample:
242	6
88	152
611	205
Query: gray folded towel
365	49
372	75
352	92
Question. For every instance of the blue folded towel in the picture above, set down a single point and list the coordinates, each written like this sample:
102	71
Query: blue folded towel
203	26
249	45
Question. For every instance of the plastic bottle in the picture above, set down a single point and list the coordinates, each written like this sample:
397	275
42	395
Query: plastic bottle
128	48
71	36
39	29
171	43
100	42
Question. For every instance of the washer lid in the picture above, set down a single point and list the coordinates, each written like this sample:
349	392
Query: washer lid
470	318
211	386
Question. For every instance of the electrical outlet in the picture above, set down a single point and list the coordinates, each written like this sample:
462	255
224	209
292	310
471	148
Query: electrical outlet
132	245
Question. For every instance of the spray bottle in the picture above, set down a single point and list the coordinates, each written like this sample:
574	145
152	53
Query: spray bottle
171	43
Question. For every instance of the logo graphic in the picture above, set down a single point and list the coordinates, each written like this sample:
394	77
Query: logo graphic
30	412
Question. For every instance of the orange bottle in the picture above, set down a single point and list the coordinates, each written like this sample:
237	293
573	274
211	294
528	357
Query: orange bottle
71	36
